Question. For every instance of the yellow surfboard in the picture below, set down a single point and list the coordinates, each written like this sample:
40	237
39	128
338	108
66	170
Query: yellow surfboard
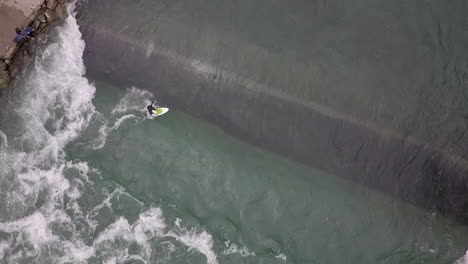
160	111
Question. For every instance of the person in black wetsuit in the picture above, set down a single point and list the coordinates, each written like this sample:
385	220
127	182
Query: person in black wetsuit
152	107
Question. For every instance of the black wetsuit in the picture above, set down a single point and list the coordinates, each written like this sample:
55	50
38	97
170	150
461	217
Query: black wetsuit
151	108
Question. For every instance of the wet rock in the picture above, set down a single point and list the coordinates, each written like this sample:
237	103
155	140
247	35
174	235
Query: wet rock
61	11
11	52
36	24
42	18
50	15
4	80
17	57
52	4
43	28
26	51
3	66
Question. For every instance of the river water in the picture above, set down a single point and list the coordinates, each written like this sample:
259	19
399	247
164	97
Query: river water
86	177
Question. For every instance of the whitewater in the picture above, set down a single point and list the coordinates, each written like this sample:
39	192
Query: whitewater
47	215
87	177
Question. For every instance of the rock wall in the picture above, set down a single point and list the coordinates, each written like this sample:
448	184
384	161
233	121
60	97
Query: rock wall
17	57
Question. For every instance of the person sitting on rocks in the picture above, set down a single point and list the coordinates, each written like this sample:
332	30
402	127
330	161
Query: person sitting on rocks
23	35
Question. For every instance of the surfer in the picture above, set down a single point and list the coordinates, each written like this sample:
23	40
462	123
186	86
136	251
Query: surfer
155	110
152	107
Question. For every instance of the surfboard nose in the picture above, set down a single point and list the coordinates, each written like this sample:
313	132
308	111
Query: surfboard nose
160	111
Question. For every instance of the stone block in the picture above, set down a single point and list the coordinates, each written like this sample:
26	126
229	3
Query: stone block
43	28
61	11
11	52
36	24
42	18
3	66
50	15
52	4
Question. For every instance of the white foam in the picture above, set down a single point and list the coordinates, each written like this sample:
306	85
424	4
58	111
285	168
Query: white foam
119	229
134	100
4	246
150	49
53	106
282	257
200	241
33	228
91	215
151	225
233	248
56	90
104	131
463	260
120	120
4	141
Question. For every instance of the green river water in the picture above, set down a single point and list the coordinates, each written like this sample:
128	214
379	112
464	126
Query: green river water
86	177
265	208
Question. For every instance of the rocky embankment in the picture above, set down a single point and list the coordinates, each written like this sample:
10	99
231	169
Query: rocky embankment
17	57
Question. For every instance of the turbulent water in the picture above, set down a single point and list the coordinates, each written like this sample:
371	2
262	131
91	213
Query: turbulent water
86	177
